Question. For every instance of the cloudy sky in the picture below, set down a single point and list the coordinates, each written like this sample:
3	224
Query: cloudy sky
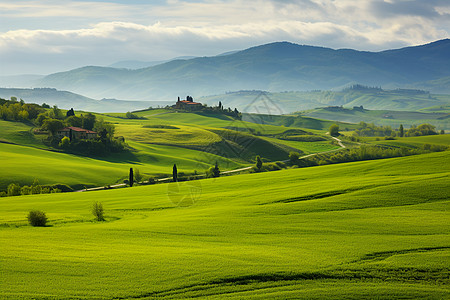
45	36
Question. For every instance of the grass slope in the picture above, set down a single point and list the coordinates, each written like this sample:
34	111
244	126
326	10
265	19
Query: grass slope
374	229
382	117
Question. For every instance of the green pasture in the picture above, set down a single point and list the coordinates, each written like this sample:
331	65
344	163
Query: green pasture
416	141
21	164
374	229
19	133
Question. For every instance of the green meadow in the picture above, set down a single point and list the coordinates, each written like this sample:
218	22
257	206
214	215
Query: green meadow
157	141
374	229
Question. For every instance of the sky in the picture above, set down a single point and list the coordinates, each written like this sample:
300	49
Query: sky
47	36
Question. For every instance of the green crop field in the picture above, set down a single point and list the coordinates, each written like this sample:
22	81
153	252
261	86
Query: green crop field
416	141
374	229
162	138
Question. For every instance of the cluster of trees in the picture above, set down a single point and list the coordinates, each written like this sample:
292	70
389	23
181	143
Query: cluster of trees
14	189
362	153
54	120
423	129
14	110
370	129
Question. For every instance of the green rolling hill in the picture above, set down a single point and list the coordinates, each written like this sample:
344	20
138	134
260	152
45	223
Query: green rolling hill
161	138
373	229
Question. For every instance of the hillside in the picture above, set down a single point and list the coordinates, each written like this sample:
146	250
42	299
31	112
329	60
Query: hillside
381	117
273	67
67	100
369	98
157	140
374	229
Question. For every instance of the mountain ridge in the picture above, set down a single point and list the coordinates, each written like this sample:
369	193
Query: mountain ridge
278	66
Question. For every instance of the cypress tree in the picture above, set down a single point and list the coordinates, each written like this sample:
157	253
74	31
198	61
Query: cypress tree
401	130
216	172
131	179
258	162
175	173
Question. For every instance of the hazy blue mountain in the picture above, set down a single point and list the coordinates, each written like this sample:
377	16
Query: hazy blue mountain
137	64
19	81
273	67
67	100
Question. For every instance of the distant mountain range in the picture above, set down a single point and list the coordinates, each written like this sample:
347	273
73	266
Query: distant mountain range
67	100
273	67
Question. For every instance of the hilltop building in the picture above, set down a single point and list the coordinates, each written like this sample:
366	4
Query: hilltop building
187	104
76	133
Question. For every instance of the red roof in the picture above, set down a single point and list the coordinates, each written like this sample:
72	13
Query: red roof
189	102
78	129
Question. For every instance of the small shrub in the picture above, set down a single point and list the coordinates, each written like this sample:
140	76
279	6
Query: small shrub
3	194
97	211
37	218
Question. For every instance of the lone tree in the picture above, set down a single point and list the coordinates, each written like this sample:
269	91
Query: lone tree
216	171
334	130
97	211
175	173
70	113
401	131
294	158
131	177
37	218
259	162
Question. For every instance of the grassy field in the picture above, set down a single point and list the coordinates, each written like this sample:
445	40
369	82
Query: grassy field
414	142
162	138
382	117
374	229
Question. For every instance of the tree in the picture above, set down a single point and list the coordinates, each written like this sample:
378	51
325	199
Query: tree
442	131
37	218
88	121
220	105
259	162
65	142
52	125
131	177
175	173
216	171
55	113
294	158
334	130
14	190
97	211
137	175
35	187
401	131
70	113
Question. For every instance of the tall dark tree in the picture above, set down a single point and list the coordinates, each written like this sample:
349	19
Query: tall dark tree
175	173
401	131
216	171
70	113
131	177
258	162
220	105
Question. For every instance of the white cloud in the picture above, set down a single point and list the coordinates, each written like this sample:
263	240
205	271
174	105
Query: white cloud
153	32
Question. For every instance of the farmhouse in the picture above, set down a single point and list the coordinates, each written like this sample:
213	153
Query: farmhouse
188	104
76	133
